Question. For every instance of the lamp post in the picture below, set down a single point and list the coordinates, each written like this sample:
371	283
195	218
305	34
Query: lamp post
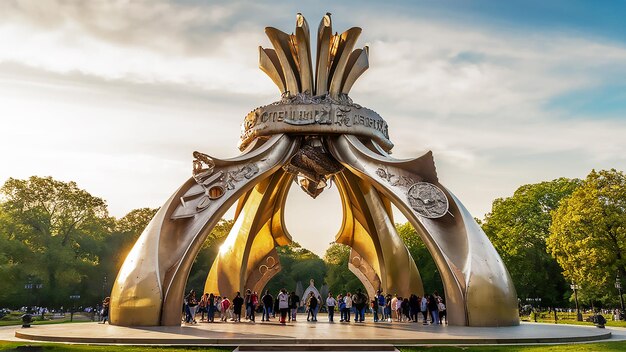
537	302
73	298
33	293
618	286
576	287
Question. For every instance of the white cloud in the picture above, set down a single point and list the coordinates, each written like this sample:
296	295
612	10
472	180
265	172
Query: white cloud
116	95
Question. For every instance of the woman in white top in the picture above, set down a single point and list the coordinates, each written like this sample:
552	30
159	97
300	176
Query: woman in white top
283	305
394	307
348	301
331	303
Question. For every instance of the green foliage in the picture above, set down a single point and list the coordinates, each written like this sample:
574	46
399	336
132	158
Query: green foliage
54	229
424	261
339	278
518	227
588	235
207	254
55	234
298	264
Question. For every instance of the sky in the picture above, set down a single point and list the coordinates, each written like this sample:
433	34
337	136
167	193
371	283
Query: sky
116	95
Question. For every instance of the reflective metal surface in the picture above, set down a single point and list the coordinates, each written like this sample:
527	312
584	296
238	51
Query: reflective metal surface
478	288
313	135
149	287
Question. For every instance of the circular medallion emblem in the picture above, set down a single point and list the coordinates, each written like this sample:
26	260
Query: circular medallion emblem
427	200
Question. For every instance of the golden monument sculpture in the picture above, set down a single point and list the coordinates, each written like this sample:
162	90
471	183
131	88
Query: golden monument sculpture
315	134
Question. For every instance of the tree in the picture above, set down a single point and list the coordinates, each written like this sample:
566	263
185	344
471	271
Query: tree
518	227
339	278
54	229
588	234
424	261
118	244
298	264
207	254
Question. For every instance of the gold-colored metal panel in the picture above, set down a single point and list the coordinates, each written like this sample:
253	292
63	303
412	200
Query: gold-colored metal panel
303	42
370	231
265	270
251	239
269	63
279	230
150	287
282	45
324	35
365	272
345	44
358	62
458	245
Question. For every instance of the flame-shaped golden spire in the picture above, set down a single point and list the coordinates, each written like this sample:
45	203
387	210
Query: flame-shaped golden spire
289	64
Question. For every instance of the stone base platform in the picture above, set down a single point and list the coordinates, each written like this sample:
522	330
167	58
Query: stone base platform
247	335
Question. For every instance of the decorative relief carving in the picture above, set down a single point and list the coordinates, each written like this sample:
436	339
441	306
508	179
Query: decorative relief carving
321	114
214	184
247	172
203	166
394	180
270	263
427	200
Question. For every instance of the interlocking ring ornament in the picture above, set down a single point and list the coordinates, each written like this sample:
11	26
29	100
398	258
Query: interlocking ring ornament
427	200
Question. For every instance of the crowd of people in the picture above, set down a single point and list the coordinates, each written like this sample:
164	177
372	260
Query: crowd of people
427	309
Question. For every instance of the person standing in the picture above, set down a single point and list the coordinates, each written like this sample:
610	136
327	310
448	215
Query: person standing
381	303
414	307
388	308
433	309
359	300
313	303
399	303
331	303
218	307
283	305
192	303
226	309
342	308
406	309
202	306
210	307
268	302
237	304
424	309
442	311
348	301
294	302
374	306
105	310
247	301
255	303
394	308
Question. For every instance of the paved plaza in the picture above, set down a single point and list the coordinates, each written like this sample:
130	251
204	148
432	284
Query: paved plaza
303	333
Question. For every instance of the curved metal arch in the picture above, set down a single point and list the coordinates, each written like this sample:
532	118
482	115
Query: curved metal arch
369	230
150	285
474	278
248	259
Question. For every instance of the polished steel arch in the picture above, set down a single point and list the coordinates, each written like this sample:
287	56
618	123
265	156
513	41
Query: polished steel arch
315	134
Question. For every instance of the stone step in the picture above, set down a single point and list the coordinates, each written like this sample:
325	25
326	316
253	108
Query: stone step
316	347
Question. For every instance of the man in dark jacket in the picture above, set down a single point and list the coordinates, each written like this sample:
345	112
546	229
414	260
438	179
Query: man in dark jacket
359	300
268	302
294	301
237	304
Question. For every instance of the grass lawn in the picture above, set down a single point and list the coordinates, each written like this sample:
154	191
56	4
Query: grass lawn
15	319
570	318
54	347
585	347
590	347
